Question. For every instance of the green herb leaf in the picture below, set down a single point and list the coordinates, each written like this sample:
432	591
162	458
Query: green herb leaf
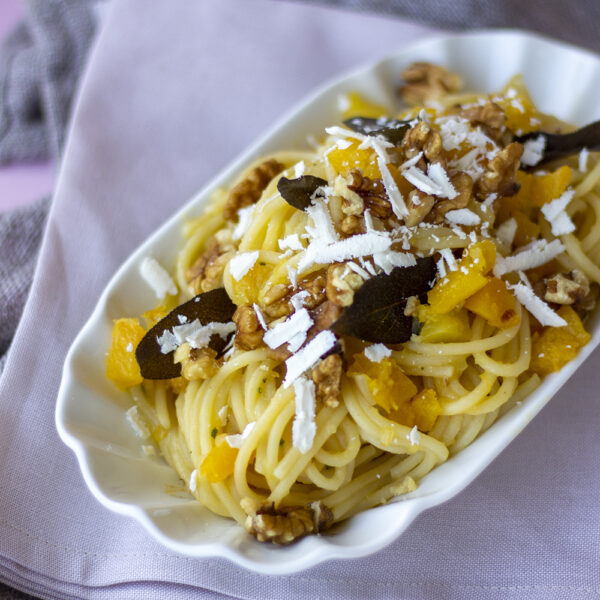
377	312
299	192
209	307
391	130
213	433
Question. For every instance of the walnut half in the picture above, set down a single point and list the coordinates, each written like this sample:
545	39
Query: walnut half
425	81
284	525
567	288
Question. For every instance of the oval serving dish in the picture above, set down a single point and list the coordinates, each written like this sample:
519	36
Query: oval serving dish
90	414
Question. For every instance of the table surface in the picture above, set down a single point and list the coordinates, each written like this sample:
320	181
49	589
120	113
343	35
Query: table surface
21	184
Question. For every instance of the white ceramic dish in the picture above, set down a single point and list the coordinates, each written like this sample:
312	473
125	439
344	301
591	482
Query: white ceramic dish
90	418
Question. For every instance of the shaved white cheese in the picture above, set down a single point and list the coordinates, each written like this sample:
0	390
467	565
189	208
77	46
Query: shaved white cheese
244	220
157	277
468	163
137	424
583	159
557	217
237	439
194	333
182	319
391	259
362	272
453	131
411	162
222	414
240	264
536	306
552	209
369	225
377	352
435	183
260	316
322	229
506	232
462	216
534	255
193	481
292	330
414	436
343	144
304	427
368	266
343	102
533	150
308	356
364	244
129	347
293	276
449	259
393	193
299	169
291	242
441	268
298	299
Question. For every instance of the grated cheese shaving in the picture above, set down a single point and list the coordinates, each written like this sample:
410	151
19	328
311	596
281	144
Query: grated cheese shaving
449	259
260	316
157	277
377	352
194	333
557	217
309	355
291	242
435	183
240	265
394	195
533	151
237	439
462	216
534	255
304	427
414	436
536	306
293	330
506	232
583	159
244	220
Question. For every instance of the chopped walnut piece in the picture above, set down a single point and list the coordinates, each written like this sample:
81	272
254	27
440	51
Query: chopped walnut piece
566	288
501	172
315	286
425	81
249	190
206	273
352	203
277	301
489	116
372	192
325	315
327	376
342	282
196	363
351	225
286	524
248	331
463	184
421	138
419	205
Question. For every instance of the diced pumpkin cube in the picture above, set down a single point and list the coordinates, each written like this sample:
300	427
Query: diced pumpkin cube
121	366
353	104
522	115
451	291
387	382
344	160
439	328
495	303
556	346
153	316
247	289
219	463
427	408
527	230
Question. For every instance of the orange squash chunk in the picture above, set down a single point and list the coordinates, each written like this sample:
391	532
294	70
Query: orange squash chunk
437	328
219	463
522	115
427	408
495	304
387	382
556	346
451	291
343	160
354	104
527	230
121	367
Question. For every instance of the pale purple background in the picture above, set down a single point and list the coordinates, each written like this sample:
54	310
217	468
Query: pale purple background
23	183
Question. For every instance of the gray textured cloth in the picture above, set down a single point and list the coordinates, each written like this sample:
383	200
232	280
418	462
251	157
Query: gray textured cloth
40	63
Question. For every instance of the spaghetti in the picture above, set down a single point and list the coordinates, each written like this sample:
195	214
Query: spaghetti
295	426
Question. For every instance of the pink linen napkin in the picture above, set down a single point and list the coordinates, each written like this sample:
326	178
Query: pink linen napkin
174	91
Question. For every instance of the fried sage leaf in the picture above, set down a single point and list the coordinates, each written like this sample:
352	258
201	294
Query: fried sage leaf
559	145
377	312
391	130
299	192
209	307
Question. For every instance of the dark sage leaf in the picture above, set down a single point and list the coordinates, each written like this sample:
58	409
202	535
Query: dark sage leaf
298	192
377	312
391	130
209	307
559	145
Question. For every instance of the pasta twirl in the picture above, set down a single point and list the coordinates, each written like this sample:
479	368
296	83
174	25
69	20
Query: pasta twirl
393	292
